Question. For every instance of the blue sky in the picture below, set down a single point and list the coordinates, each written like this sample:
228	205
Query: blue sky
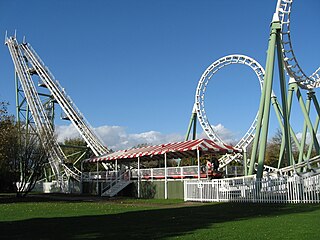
132	67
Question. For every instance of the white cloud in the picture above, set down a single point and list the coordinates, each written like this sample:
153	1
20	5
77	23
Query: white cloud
66	131
116	137
308	137
223	133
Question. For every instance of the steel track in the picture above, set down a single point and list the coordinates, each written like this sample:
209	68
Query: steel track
283	12
201	90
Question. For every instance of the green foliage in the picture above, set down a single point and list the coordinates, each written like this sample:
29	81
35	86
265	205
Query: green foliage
147	190
273	151
9	164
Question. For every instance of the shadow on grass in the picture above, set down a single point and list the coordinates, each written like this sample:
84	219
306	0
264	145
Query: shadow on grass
147	224
7	198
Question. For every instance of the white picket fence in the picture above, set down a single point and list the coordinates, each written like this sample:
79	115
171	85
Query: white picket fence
248	189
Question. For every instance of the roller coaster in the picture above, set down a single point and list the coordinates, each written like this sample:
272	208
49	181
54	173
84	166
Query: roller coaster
298	80
28	64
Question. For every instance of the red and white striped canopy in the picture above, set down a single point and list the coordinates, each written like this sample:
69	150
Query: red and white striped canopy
173	150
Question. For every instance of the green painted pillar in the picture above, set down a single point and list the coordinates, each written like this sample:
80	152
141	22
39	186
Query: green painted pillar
307	119
192	124
17	97
316	125
304	130
279	115
268	79
245	159
285	110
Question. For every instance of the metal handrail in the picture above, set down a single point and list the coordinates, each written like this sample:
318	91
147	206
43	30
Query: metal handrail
126	175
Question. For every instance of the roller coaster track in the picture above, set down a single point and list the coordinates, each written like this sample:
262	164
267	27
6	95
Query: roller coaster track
200	102
27	62
283	12
64	101
43	126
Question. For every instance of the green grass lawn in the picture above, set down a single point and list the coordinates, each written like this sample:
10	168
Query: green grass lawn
86	218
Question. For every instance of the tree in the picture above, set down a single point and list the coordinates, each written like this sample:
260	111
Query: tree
273	150
22	157
32	157
9	165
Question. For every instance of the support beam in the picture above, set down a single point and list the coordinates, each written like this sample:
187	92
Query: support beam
165	177
97	178
307	118
304	130
264	107
198	158
245	159
285	110
139	177
279	114
192	124
267	87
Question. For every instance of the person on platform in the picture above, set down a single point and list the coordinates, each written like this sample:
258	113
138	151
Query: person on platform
215	163
209	166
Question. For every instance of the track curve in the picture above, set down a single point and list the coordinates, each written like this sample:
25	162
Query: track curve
201	89
283	11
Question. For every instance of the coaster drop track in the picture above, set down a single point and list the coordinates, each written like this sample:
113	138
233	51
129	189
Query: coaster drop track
27	63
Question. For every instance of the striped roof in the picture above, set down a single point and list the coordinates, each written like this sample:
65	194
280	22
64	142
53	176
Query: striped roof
173	150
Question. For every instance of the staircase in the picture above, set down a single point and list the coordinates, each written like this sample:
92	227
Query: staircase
114	190
115	186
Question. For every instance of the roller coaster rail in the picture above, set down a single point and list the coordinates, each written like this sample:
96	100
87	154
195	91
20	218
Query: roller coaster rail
280	31
27	62
282	13
200	102
43	126
68	106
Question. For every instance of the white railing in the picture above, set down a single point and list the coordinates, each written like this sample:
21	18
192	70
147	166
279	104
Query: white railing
234	171
172	172
101	175
248	189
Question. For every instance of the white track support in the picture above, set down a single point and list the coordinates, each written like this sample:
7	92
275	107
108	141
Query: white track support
70	109
292	66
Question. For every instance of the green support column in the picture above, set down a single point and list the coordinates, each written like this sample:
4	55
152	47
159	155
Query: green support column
275	29
245	159
289	104
305	128
307	119
257	134
279	115
316	125
264	107
285	110
17	98
192	124
316	103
